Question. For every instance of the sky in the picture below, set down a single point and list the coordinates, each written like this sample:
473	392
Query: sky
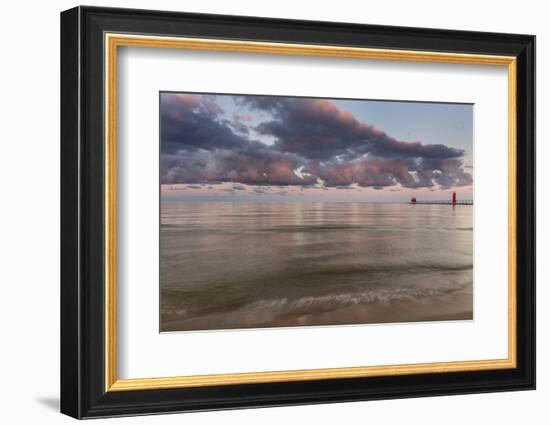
275	148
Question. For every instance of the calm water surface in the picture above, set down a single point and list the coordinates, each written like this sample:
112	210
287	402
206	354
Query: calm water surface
240	265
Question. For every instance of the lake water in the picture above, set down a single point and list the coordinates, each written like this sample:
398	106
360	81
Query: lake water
227	265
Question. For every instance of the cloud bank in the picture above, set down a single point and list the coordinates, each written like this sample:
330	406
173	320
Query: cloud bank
286	141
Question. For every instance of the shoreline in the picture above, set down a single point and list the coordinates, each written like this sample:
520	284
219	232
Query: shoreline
449	307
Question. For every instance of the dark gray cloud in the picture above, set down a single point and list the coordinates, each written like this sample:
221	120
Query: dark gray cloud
193	122
314	141
318	129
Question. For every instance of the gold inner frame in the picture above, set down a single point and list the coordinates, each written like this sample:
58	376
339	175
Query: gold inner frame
113	41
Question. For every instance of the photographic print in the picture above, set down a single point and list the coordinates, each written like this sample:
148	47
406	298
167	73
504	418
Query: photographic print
281	211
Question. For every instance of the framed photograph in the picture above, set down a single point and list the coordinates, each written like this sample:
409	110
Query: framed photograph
261	212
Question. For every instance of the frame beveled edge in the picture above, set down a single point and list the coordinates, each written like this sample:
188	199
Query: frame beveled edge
114	40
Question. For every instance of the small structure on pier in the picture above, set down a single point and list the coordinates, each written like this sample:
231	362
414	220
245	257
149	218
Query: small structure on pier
452	202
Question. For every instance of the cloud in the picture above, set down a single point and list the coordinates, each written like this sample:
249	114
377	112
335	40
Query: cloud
237	186
318	129
254	166
315	141
191	122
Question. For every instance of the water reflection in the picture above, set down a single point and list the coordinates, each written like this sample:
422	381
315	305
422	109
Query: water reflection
238	265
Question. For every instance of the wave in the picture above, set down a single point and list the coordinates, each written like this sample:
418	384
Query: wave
272	309
244	298
333	301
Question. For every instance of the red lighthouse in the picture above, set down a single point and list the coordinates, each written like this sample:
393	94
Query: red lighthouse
454	198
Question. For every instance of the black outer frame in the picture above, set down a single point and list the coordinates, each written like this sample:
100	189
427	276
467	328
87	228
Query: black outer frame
82	219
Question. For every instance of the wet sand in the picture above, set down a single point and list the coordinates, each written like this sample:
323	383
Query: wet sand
454	306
